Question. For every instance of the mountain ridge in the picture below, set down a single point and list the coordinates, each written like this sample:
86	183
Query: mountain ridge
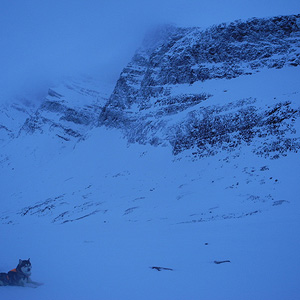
160	83
164	79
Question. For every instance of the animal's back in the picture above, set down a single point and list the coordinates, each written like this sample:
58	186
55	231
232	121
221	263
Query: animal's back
4	279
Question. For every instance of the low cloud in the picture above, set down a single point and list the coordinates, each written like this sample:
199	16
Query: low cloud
43	41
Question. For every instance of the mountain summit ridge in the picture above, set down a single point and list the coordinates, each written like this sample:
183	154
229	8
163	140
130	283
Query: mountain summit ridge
188	55
164	95
161	93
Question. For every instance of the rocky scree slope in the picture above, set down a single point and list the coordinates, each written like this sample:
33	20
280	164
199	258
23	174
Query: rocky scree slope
160	97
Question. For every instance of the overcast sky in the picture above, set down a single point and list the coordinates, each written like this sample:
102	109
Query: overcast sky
43	40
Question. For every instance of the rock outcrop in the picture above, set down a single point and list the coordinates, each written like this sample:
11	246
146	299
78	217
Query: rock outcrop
68	112
155	100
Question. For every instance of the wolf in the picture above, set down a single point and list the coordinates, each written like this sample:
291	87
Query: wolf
20	276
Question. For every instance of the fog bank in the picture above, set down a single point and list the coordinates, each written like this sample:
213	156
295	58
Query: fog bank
42	41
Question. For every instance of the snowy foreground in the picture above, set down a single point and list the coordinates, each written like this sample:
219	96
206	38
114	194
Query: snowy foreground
155	211
94	218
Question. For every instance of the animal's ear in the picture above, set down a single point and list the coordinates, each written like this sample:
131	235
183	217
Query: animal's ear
29	259
20	261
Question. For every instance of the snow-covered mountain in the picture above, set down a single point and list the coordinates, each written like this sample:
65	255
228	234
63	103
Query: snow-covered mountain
189	163
68	111
12	118
165	93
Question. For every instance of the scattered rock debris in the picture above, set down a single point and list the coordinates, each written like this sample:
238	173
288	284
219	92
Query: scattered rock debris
161	269
218	262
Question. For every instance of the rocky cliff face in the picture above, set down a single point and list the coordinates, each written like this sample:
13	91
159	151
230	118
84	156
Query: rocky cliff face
164	96
68	111
12	118
199	90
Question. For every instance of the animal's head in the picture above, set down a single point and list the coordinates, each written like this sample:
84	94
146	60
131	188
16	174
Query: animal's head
25	266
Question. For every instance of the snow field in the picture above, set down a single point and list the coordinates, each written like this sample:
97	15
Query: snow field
109	255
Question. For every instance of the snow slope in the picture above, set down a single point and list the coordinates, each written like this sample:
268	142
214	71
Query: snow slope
96	217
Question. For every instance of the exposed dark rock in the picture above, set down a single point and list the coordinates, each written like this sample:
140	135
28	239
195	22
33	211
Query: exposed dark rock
208	131
53	93
69	120
218	262
161	269
143	99
223	51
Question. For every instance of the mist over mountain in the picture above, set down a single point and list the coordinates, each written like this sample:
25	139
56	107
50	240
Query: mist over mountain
43	42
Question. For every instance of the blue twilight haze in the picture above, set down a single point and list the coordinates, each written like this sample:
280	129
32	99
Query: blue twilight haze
41	41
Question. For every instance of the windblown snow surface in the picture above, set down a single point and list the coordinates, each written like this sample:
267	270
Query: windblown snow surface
96	217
